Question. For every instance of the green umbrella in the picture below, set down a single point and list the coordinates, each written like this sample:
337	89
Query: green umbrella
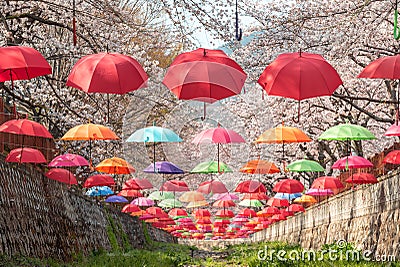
170	203
211	167
305	165
346	132
250	203
158	195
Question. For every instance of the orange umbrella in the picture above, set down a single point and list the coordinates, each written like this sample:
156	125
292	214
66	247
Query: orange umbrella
115	165
305	199
259	166
130	193
192	196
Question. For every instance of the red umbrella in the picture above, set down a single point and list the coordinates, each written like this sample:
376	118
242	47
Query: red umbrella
352	162
130	193
25	127
225	214
202	213
177	212
296	208
250	186
362	178
327	182
99	180
130	208
204	75
299	76
277	202
270	211
174	186
392	157
278	217
224	203
215	187
61	175
157	212
248	213
137	184
25	155
258	196
288	186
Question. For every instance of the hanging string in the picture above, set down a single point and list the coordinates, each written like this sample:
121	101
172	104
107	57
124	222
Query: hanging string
74	23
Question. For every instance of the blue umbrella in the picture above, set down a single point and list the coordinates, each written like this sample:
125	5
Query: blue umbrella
116	199
287	196
97	191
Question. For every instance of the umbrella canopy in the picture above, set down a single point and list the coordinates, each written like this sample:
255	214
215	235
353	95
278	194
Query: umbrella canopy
88	132
163	167
154	134
283	135
382	68
214	187
170	203
202	213
250	203
258	196
225	213
346	131
143	202
327	182
174	186
268	211
130	208
107	73
61	175
157	212
204	75
191	196
25	155
97	191
137	184
68	160
22	63
211	167
225	196
305	165
24	127
116	199
393	130
160	195
99	180
392	157
130	193
305	199
196	204
218	135
115	165
224	204
352	162
177	213
287	196
288	186
362	178
259	166
250	186
319	192
248	213
277	202
296	208
299	76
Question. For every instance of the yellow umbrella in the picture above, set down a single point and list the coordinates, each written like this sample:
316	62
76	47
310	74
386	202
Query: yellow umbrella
115	165
192	196
305	199
196	204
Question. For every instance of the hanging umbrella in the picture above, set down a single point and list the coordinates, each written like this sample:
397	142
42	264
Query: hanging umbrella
204	75
68	160
159	195
61	175
196	204
211	167
305	199
299	76
248	213
110	73
282	135
154	134
296	208
259	166
99	180
268	211
191	196
25	155
157	212
174	186
305	165
319	192
116	199
345	132
225	213
170	203
277	202
177	213
250	203
362	178
137	184
143	202
224	204
214	187
201	213
115	165
258	196
164	167
24	127
287	196
225	196
327	182
393	130
250	186
352	162
129	208
97	191
288	186
130	193
392	157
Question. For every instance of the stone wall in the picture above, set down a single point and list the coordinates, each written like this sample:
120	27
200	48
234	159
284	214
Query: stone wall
40	217
367	217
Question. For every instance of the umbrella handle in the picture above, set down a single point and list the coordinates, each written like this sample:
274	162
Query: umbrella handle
298	114
396	32
204	112
238	31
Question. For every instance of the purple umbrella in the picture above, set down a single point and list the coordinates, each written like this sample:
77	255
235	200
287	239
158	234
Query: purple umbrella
319	192
143	202
68	160
116	199
163	167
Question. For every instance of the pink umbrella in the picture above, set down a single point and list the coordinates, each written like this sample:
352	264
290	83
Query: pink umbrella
137	184
319	192
68	160
352	162
225	196
215	187
277	202
143	202
393	130
174	186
